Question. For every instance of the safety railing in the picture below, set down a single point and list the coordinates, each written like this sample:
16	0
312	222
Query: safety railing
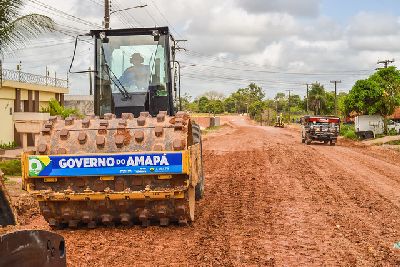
19	76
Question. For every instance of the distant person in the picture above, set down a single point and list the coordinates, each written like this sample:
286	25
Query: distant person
136	77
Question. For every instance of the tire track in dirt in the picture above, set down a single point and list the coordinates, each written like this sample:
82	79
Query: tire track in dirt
269	201
237	181
335	184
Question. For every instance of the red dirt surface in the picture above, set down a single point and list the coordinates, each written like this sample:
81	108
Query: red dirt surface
270	201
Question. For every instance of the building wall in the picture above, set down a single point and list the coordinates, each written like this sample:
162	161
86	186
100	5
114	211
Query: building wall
8	102
7	124
83	103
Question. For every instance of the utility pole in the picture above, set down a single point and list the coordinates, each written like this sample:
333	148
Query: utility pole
90	81
307	84
106	14
336	82
385	63
289	102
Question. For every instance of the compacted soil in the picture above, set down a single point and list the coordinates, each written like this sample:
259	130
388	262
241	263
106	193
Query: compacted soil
270	201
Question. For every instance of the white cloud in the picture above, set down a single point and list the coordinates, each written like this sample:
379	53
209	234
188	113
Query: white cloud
294	7
276	35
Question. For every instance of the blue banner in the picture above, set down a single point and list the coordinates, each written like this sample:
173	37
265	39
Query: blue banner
106	165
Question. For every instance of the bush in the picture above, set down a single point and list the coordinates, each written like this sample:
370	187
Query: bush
55	109
10	145
348	131
393	132
350	135
11	167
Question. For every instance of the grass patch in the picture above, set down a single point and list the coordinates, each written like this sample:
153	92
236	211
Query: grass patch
11	167
393	143
10	145
210	129
348	131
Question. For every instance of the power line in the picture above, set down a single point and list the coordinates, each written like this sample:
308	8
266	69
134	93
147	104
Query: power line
151	16
166	20
271	71
64	14
56	59
206	77
37	47
124	16
248	64
336	82
97	3
385	62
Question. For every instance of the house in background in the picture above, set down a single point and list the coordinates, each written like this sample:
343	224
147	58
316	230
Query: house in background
25	92
396	115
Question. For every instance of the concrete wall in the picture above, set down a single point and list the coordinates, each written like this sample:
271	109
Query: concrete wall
7	124
7	102
206	122
83	103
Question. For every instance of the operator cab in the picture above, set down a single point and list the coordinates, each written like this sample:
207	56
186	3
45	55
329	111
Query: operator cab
133	71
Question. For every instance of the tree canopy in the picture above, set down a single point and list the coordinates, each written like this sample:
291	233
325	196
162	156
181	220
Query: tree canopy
16	30
379	94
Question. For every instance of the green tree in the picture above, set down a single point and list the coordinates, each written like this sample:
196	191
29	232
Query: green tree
280	102
215	107
364	98
230	105
389	80
329	107
244	97
256	109
341	97
317	98
379	94
16	30
213	95
203	104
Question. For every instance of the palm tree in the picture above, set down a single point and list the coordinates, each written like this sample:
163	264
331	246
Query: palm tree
17	30
317	96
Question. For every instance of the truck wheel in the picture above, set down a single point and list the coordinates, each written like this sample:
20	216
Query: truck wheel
199	189
308	142
332	143
325	142
303	140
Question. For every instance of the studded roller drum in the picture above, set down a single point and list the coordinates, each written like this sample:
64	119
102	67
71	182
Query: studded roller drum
90	200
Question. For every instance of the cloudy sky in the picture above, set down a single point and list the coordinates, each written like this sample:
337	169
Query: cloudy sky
278	44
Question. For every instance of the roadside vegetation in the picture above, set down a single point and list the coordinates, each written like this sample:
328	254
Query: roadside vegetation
378	94
348	131
252	101
7	146
15	29
11	167
55	109
210	130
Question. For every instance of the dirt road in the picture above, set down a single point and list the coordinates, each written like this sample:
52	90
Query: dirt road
270	200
